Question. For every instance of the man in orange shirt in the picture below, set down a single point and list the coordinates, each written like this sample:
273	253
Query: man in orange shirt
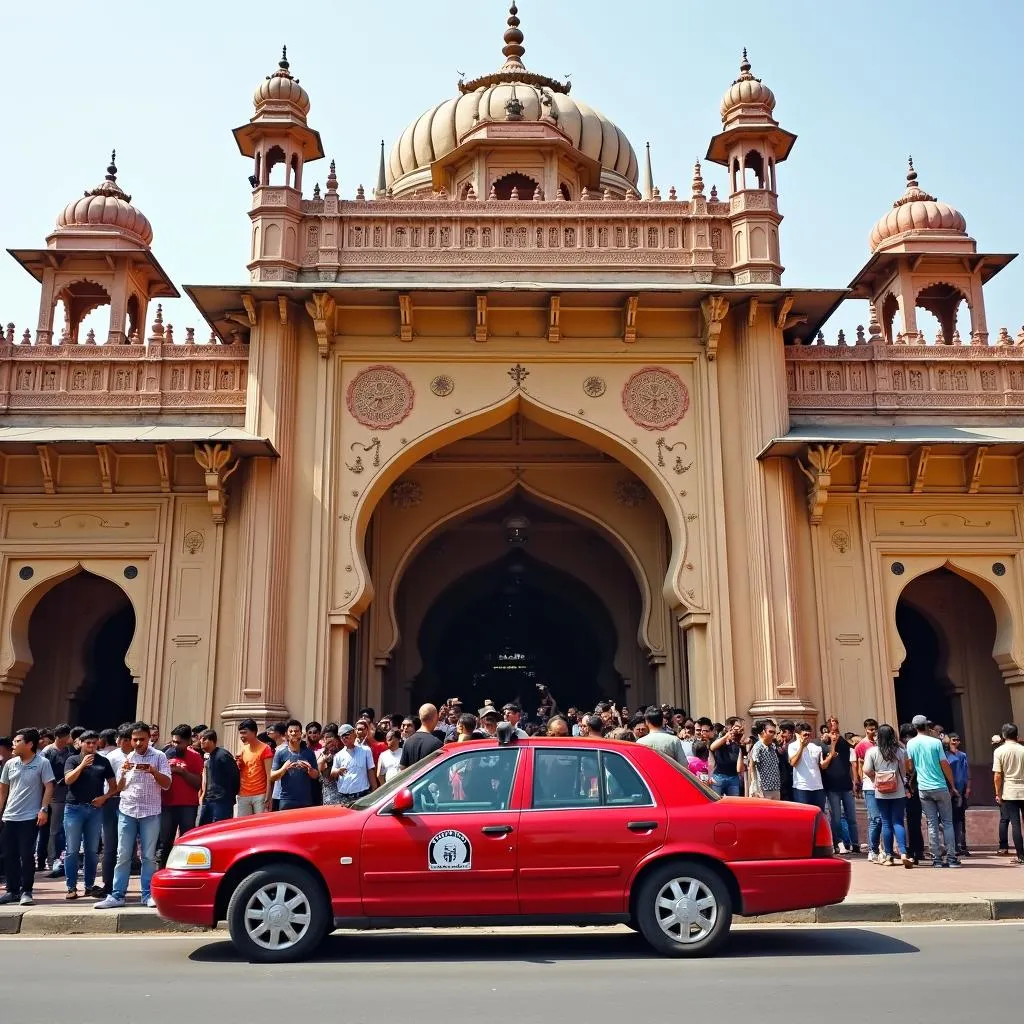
254	771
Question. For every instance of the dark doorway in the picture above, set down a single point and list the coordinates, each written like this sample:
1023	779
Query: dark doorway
921	688
108	695
501	631
78	635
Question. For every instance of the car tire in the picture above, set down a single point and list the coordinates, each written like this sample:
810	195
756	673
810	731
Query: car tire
278	914
683	908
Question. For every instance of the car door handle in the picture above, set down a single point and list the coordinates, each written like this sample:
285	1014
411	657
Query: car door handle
641	826
496	830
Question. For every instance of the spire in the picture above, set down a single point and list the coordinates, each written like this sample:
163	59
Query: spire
382	181
513	48
111	175
698	181
109	185
914	191
648	175
332	180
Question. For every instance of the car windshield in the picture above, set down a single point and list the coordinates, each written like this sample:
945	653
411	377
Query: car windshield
400	781
690	777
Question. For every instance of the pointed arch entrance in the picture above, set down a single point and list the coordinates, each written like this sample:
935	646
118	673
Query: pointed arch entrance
948	627
79	634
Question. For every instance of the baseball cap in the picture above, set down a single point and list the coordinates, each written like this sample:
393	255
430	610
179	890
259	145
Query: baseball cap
919	721
486	712
345	730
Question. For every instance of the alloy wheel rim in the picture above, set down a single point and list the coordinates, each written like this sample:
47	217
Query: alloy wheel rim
277	916
686	910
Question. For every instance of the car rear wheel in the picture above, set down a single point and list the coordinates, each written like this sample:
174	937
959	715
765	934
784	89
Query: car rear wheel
277	914
684	909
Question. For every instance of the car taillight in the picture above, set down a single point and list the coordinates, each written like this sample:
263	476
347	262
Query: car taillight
822	837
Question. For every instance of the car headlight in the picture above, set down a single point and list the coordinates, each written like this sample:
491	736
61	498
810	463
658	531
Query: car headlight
189	858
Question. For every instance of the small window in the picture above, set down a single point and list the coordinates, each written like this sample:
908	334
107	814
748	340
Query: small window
586	778
480	780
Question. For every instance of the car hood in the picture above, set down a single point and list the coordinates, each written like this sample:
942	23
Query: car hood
304	819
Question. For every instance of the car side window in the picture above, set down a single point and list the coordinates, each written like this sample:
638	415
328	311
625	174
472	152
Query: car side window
586	778
479	780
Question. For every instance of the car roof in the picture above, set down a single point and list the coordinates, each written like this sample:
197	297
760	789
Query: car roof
538	741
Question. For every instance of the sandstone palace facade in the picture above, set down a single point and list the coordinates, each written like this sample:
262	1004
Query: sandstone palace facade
514	415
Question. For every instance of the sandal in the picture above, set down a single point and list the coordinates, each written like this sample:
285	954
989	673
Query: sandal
907	862
72	894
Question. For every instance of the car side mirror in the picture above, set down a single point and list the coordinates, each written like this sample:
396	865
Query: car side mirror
403	802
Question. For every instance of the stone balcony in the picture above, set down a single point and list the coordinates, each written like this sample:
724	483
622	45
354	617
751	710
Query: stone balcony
973	380
39	381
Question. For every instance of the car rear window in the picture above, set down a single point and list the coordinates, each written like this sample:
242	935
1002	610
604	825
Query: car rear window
582	777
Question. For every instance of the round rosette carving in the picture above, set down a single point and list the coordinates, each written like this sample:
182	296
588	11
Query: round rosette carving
380	397
655	398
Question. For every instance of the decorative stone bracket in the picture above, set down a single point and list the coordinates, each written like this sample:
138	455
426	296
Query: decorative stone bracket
822	460
214	460
321	308
714	308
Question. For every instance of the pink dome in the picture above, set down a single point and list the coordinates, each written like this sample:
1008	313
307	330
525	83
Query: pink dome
916	210
107	208
281	88
747	91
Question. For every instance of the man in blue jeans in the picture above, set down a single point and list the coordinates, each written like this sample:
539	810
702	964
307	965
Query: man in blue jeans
937	791
144	775
838	782
90	782
220	781
727	777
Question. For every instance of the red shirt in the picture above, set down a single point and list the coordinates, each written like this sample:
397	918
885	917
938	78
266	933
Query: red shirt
181	794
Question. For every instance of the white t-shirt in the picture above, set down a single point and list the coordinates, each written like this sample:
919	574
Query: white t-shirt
389	762
358	763
807	771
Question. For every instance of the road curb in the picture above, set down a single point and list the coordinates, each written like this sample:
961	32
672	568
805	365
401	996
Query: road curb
55	921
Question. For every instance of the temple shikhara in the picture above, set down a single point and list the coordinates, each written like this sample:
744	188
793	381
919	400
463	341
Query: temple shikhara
515	414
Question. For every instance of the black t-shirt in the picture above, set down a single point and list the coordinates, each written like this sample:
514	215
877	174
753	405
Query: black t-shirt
726	757
92	782
837	777
222	781
417	746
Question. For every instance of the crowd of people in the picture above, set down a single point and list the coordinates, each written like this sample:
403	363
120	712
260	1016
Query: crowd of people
91	807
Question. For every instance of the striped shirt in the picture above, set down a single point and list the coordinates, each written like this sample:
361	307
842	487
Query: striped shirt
140	797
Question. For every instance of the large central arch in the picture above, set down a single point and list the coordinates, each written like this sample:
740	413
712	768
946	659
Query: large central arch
409	453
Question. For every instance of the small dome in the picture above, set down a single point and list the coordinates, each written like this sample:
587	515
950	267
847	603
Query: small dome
747	91
916	211
107	208
281	88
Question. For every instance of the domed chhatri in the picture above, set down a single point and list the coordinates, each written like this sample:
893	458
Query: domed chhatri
746	95
914	213
512	92
106	209
281	90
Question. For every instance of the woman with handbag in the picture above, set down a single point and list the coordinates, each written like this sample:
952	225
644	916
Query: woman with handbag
887	765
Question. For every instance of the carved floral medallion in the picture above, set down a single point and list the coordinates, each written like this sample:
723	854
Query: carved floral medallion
380	397
655	398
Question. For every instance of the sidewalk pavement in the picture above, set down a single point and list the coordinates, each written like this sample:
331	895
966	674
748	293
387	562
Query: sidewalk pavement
987	888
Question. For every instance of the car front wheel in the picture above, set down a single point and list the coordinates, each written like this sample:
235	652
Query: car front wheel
277	914
684	909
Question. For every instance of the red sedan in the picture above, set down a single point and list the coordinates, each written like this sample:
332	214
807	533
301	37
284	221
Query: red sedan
513	832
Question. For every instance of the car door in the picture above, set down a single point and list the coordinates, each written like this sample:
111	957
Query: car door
588	819
455	853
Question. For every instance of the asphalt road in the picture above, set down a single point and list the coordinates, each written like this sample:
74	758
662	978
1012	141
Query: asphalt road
775	974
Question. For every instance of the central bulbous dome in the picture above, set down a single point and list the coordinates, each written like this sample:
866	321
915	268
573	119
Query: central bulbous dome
532	97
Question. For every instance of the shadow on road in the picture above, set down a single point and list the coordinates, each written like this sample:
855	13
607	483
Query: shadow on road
403	947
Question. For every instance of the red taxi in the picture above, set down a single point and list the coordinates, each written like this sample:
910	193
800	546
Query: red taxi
508	832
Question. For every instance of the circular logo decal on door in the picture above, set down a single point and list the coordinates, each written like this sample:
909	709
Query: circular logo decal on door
450	851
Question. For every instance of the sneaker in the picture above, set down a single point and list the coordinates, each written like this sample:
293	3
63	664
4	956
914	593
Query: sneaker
72	894
872	858
965	852
96	892
9	898
57	871
954	864
884	861
1018	860
1002	853
937	864
151	903
26	900
111	902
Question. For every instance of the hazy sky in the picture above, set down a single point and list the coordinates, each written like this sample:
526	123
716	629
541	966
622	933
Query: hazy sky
862	85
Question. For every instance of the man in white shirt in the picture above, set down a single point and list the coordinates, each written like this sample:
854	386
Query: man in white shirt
352	767
807	761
